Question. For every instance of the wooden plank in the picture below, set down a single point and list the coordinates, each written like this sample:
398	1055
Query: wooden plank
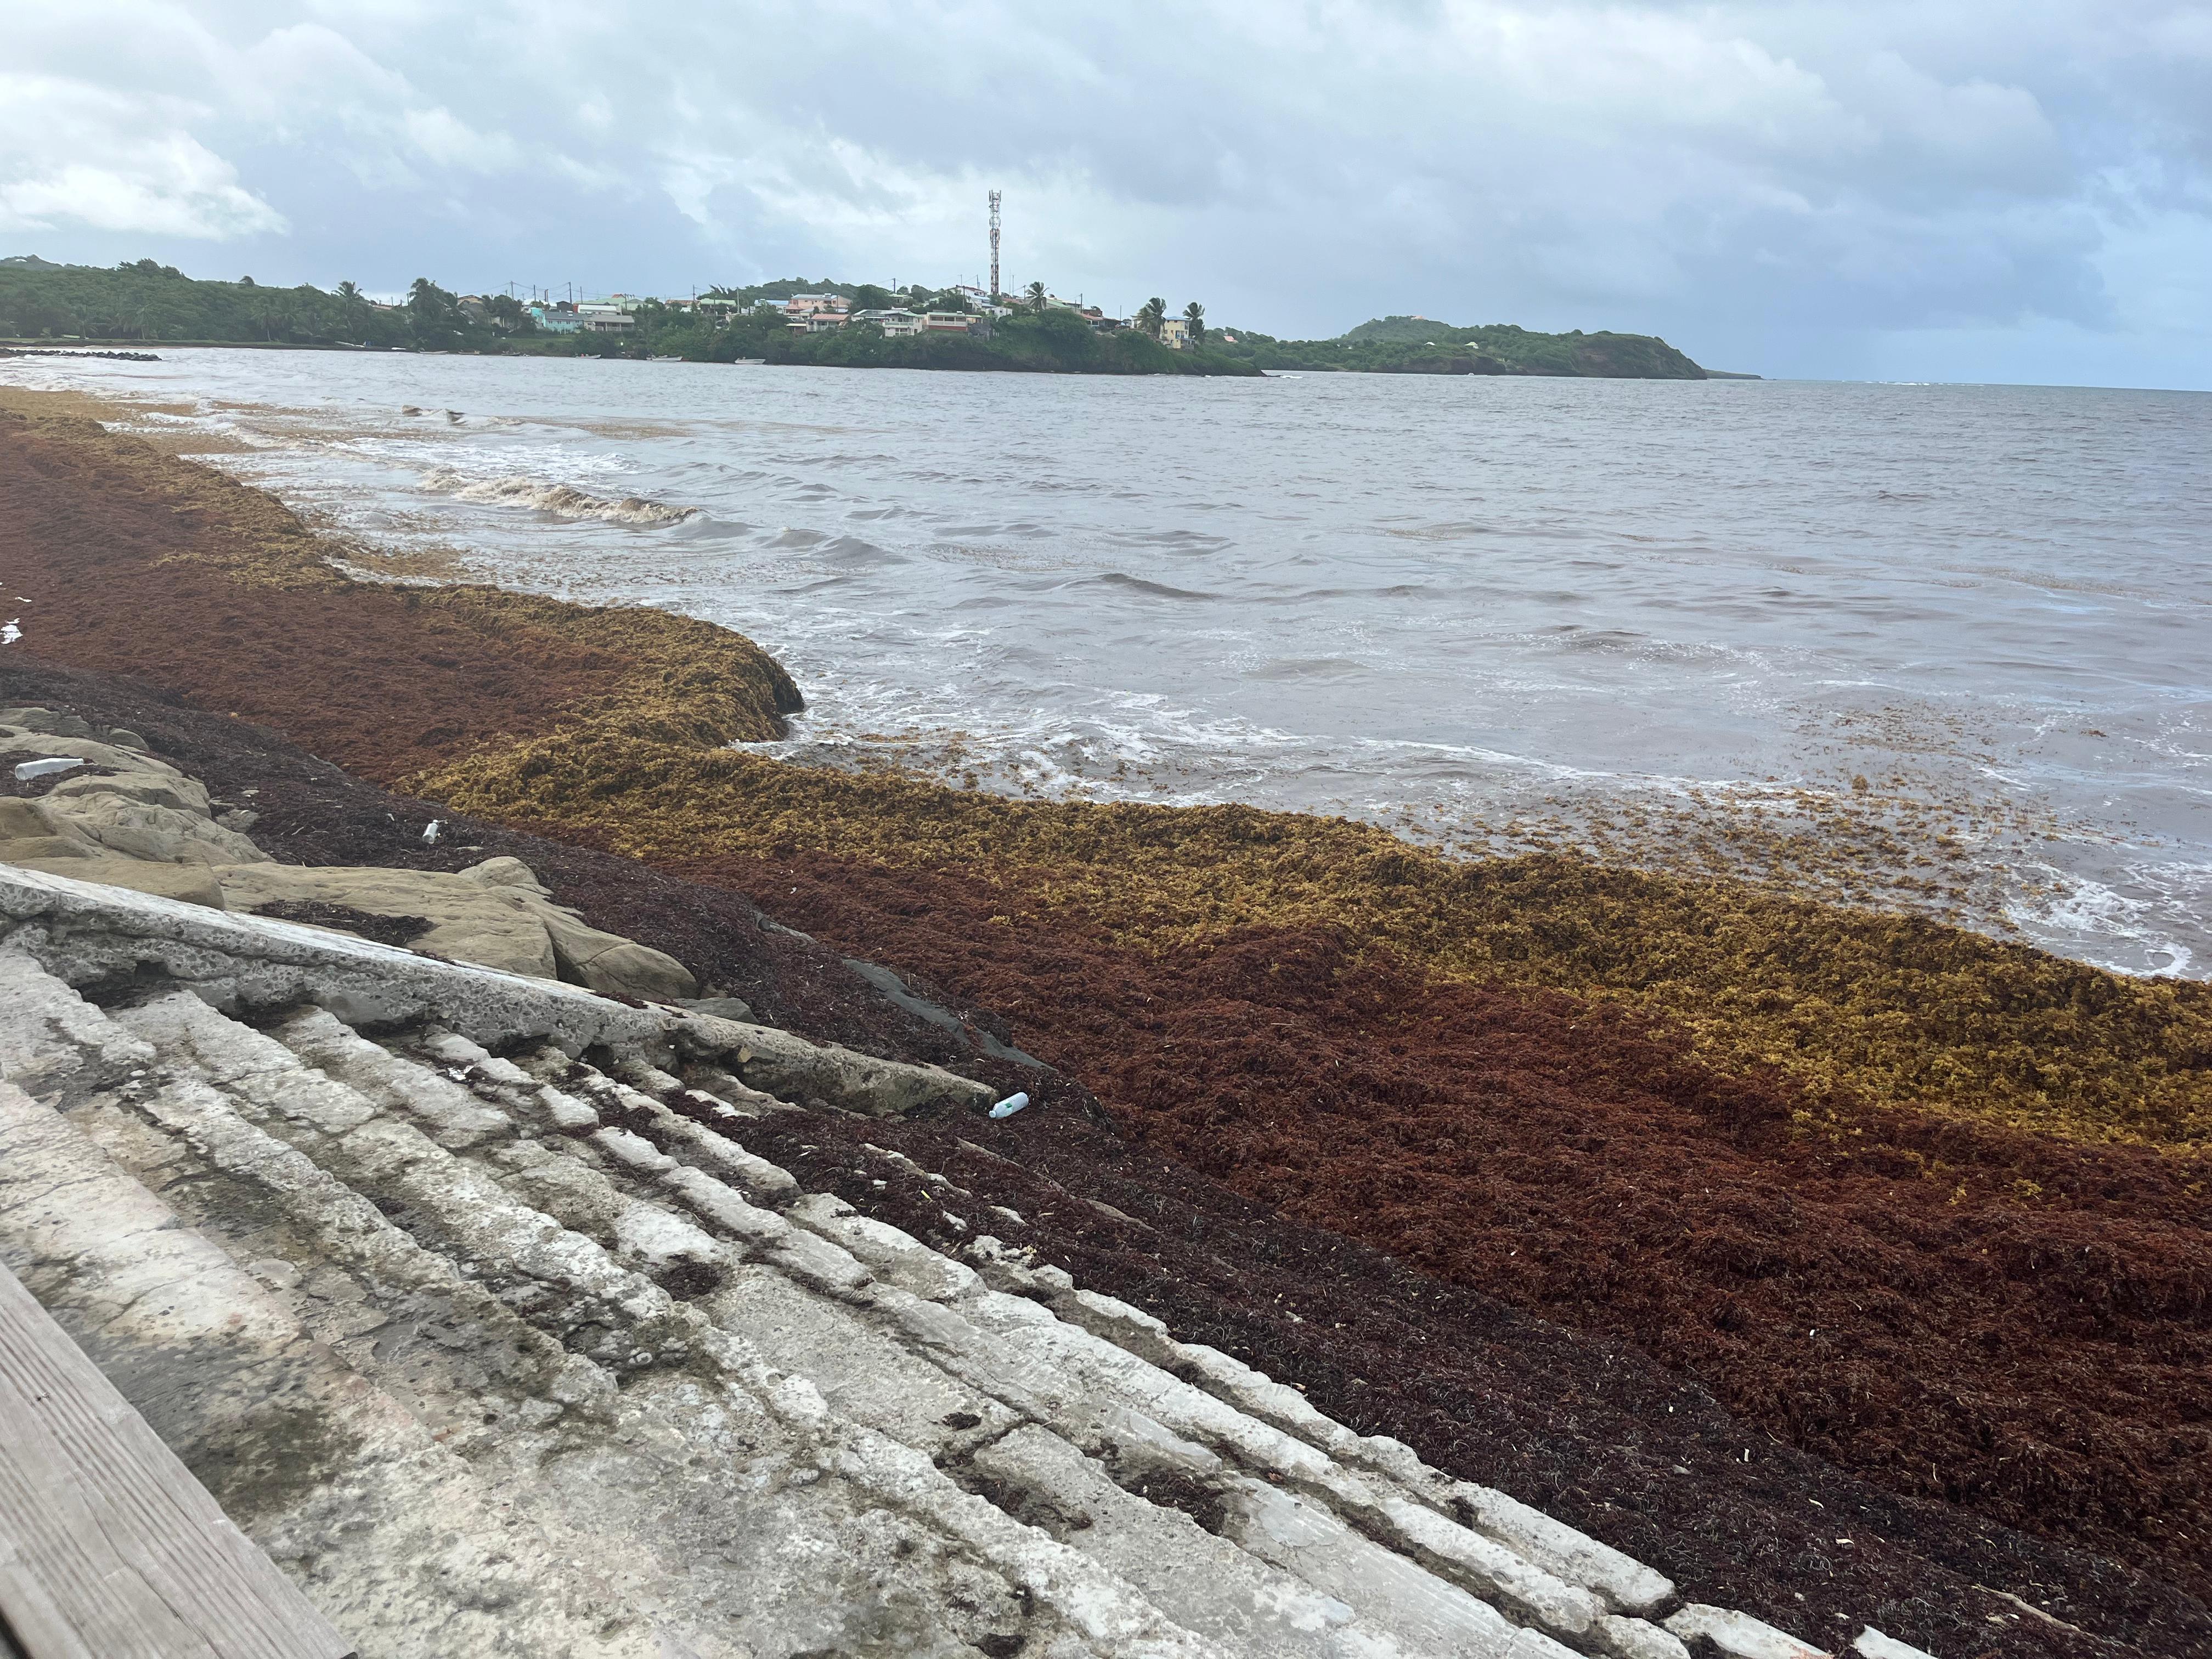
109	1548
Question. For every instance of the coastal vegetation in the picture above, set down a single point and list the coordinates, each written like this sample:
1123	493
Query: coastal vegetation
1046	340
1415	345
143	301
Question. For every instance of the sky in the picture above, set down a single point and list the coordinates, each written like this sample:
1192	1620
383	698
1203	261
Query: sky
1944	190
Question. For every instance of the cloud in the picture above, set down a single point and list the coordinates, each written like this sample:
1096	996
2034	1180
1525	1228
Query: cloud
74	155
1723	169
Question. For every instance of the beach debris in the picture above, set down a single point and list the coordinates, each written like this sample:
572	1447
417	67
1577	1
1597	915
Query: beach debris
11	630
430	831
1010	1104
44	768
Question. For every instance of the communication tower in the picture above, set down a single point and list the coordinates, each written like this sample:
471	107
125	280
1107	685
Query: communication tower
995	247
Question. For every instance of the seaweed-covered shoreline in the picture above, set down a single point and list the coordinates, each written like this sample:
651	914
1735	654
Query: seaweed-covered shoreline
1924	1208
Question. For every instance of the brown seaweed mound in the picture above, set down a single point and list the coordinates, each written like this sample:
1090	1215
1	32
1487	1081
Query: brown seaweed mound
133	561
1880	1007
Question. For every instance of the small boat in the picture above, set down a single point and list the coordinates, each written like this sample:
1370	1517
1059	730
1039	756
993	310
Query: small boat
664	360
747	362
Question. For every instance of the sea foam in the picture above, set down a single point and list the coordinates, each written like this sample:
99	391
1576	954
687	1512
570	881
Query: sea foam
562	500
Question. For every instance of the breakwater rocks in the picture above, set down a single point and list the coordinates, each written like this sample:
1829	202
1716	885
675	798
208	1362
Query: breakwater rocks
1906	1202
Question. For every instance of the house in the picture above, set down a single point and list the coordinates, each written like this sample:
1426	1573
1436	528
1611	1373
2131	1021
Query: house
555	318
821	322
603	317
896	324
1175	333
805	304
947	322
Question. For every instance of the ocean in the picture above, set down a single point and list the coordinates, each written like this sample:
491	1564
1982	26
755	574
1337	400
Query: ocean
1947	648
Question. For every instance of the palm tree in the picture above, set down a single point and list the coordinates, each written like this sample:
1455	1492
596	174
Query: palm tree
426	298
1194	317
1033	296
1152	314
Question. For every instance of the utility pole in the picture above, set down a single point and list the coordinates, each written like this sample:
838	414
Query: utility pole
995	247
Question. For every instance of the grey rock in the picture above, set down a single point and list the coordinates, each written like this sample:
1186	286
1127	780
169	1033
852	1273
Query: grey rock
778	1064
469	922
734	1008
605	961
1706	1629
1871	1643
1626	1584
1636	1638
48	721
189	884
31	849
179	794
505	872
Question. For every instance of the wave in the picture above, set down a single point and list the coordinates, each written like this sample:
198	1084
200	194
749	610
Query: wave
1158	590
562	500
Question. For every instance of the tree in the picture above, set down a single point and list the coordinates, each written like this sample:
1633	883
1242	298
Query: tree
429	302
869	297
1194	317
348	293
1034	297
1152	314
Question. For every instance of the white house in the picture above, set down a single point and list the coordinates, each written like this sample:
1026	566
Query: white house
603	317
896	324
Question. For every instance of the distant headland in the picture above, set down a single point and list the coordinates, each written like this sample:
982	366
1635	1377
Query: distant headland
795	320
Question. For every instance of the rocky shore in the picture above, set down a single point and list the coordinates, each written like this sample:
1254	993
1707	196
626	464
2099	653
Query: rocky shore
1720	1225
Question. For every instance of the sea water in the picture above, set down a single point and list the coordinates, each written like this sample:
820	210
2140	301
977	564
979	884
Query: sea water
1942	647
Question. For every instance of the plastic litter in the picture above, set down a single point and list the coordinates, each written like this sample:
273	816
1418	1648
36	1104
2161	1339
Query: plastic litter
430	831
43	769
11	630
1010	1105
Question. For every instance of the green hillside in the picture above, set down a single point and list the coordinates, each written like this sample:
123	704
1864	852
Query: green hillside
149	303
1417	345
146	301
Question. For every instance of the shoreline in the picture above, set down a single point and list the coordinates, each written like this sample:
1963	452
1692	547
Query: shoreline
1512	1076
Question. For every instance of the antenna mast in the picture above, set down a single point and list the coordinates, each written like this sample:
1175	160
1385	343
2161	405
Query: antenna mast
995	247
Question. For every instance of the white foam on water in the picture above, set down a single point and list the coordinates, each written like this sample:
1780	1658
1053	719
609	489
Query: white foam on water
562	500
